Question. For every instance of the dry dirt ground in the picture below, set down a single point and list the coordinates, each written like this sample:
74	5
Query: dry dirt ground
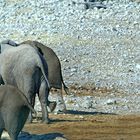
90	127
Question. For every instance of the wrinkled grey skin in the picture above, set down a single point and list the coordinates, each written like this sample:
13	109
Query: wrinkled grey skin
14	110
54	67
26	69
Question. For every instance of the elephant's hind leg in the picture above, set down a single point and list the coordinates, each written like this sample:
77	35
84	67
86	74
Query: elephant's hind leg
61	103
29	91
43	97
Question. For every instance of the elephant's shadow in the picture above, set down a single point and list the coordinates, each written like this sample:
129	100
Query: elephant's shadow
26	136
49	136
76	112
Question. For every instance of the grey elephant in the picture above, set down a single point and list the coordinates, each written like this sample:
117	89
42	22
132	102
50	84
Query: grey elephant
25	68
54	67
14	110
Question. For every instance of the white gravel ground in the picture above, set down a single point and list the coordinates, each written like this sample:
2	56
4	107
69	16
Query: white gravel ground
99	47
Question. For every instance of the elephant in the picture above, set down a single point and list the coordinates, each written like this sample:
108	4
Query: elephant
54	66
54	69
14	110
25	68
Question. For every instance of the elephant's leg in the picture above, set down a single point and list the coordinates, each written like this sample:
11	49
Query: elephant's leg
12	123
30	117
13	134
61	102
33	101
1	80
52	105
43	97
13	137
1	125
29	91
1	130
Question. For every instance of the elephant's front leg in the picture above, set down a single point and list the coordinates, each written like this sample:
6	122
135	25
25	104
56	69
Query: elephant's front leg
43	97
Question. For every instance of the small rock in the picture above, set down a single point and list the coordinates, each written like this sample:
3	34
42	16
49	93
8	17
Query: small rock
111	102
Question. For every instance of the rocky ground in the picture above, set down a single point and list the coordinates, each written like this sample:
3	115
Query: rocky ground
96	46
99	49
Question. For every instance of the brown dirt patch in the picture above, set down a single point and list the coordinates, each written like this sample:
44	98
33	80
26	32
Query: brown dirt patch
88	89
90	127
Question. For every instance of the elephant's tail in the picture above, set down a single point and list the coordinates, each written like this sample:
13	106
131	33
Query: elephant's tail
66	89
30	107
44	69
64	86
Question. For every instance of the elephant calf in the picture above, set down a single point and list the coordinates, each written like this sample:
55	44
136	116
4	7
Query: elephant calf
14	110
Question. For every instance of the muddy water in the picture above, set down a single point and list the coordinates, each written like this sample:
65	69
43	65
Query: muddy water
90	127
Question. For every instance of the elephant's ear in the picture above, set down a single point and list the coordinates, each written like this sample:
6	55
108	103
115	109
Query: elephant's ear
40	51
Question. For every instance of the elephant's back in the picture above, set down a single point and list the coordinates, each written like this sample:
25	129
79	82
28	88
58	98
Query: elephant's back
15	62
23	53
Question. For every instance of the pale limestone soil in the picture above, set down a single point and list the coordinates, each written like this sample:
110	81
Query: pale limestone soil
95	46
